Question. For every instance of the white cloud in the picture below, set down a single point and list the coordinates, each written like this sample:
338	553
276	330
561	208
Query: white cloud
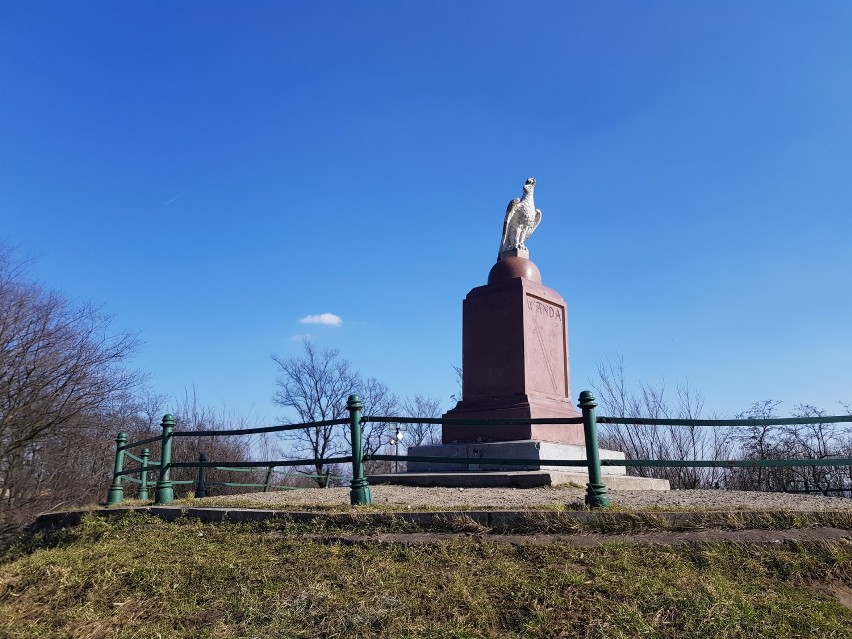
326	319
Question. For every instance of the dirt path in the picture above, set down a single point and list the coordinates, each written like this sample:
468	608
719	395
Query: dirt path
796	535
527	498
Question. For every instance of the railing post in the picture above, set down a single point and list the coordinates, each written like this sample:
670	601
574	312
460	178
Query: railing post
201	483
143	486
359	493
596	492
327	478
268	479
165	491
116	490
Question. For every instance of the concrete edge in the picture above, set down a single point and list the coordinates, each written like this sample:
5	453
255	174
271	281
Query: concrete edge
513	479
499	521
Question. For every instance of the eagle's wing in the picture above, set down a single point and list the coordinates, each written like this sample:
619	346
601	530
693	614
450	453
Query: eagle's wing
510	213
535	222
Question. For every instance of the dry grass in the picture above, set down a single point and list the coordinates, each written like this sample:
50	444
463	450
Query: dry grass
138	576
366	519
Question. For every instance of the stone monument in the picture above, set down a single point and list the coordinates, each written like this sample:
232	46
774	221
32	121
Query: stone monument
515	345
514	366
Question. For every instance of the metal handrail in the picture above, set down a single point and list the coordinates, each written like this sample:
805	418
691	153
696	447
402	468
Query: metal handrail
455	421
256	431
780	421
596	494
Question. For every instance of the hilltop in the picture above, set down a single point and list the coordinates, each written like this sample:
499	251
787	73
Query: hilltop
325	570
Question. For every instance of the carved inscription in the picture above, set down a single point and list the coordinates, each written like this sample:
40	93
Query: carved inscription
546	354
543	308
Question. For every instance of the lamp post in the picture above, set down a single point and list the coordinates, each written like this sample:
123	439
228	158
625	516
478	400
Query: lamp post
397	438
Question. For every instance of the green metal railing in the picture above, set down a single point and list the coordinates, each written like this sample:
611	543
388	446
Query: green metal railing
596	490
164	493
202	484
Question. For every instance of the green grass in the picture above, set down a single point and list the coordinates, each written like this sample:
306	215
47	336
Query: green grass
138	576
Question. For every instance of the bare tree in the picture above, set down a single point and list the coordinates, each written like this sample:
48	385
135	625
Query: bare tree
193	416
794	441
61	368
421	434
459	371
615	399
845	480
814	441
379	401
759	442
316	386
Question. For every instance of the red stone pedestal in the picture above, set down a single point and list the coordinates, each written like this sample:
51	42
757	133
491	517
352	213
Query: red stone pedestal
514	359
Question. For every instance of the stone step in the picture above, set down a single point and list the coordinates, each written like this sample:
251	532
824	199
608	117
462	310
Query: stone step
516	479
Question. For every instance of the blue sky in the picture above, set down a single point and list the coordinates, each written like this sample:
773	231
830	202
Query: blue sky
212	172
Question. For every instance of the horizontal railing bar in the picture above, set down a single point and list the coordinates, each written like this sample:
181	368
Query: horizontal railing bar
184	481
138	469
140	442
255	431
624	421
725	463
133	457
277	472
785	421
746	463
233	484
478	460
133	479
248	466
474	422
264	464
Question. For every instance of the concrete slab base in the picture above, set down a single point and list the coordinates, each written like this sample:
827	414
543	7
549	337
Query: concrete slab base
537	451
514	479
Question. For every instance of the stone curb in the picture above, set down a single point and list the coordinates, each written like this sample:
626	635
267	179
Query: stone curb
531	521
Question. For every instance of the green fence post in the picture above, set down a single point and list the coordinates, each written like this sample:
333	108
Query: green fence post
360	490
116	490
268	479
327	479
165	491
596	492
200	484
143	485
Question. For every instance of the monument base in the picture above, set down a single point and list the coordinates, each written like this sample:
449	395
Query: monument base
532	475
526	406
515	360
523	449
515	479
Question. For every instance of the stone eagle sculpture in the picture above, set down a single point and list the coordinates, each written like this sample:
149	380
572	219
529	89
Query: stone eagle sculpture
522	218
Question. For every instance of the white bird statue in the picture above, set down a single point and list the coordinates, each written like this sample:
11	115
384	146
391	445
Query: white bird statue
522	218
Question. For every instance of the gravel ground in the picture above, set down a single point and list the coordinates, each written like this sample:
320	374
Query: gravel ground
525	498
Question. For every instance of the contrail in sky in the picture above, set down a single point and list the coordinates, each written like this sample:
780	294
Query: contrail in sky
179	195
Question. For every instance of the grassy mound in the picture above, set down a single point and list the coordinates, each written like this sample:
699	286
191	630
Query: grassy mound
138	576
